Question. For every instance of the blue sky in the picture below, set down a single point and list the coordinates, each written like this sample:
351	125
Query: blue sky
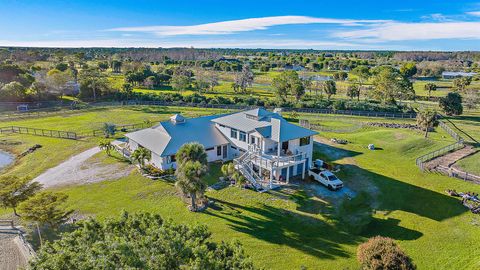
366	25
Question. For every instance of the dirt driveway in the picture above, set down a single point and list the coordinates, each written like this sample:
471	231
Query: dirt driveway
83	169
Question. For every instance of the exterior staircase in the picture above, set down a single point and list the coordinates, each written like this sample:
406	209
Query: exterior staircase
245	166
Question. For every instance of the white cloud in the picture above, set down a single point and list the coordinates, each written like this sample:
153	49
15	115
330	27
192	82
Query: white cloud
234	26
415	31
474	13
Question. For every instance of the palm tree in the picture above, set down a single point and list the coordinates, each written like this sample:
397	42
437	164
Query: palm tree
107	146
228	169
109	129
191	166
189	180
426	119
430	87
140	155
191	152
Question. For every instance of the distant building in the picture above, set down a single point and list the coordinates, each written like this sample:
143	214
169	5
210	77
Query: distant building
455	74
294	67
72	88
229	60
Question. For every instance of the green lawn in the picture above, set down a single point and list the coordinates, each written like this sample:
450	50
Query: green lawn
470	164
289	228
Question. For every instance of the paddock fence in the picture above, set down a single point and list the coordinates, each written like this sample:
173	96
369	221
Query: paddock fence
453	172
47	111
122	128
420	161
40	132
459	144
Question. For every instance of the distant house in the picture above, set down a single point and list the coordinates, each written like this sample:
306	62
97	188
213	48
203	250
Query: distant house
72	88
294	67
266	148
455	74
230	60
22	108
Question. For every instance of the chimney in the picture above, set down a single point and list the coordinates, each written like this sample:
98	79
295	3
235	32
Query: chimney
177	119
277	111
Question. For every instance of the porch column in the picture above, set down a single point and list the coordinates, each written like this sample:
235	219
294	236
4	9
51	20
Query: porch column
279	148
303	171
288	174
271	178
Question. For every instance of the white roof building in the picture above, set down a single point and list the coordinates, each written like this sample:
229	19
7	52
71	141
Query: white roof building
260	142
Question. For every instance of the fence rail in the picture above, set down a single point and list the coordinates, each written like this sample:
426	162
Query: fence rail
39	113
420	161
8	222
123	128
40	132
450	131
452	172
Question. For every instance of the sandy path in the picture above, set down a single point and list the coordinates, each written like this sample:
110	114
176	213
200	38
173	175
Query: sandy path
64	172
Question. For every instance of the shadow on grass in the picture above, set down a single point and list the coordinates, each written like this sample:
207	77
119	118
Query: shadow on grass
331	153
395	195
325	238
47	234
283	227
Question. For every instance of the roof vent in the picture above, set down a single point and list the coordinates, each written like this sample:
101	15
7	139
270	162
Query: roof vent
177	119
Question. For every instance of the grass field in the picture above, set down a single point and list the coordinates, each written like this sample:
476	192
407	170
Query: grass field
289	228
262	85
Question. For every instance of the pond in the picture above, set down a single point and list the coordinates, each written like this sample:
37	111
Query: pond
5	159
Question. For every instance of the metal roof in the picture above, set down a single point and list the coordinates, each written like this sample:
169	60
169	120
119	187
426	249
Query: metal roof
268	124
458	73
166	138
247	120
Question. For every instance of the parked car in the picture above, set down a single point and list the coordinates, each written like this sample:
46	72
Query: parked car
326	178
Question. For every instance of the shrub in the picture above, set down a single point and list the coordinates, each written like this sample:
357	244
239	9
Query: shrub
156	172
383	253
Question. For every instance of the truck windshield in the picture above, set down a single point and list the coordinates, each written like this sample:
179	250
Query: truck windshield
332	177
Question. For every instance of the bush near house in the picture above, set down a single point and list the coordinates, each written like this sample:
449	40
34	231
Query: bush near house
383	253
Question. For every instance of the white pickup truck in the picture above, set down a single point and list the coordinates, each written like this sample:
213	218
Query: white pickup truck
325	177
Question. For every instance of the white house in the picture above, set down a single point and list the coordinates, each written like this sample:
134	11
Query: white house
265	148
455	74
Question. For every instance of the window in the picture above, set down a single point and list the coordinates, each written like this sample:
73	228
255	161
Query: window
209	149
252	139
233	133
171	159
233	147
243	136
219	150
304	141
